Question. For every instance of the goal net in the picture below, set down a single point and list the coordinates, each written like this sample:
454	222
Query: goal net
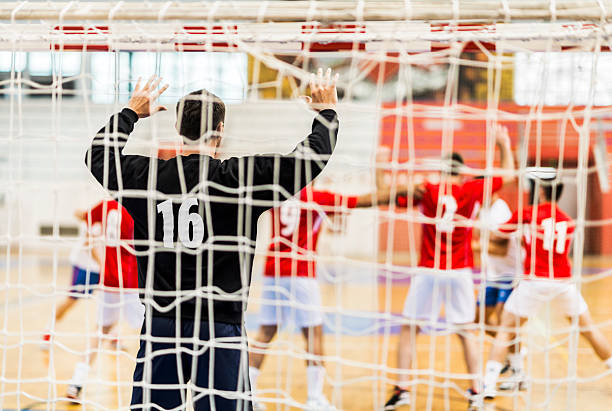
418	81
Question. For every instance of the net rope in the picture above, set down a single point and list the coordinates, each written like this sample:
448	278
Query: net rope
53	104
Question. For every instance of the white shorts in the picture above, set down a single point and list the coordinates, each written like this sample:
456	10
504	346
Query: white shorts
295	299
428	290
113	306
529	296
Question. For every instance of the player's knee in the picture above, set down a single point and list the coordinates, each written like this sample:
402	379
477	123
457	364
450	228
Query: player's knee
313	332
267	332
586	327
508	319
584	319
408	329
464	334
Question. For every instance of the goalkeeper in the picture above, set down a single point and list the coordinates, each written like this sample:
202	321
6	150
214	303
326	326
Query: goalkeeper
195	225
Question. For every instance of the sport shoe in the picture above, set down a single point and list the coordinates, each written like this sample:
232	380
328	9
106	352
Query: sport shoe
78	380
516	381
489	393
319	404
400	397
475	400
258	406
73	392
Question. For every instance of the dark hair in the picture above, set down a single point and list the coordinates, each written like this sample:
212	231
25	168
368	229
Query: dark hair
195	110
456	161
550	186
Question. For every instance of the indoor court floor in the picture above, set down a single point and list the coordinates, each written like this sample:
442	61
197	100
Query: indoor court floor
360	351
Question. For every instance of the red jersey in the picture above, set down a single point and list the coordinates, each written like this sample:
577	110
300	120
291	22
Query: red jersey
295	232
457	205
552	230
111	221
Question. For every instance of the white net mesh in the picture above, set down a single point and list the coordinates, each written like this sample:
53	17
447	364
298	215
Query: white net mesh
418	81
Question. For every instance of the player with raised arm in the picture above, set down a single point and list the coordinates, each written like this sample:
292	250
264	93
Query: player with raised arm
548	233
290	275
85	277
500	264
446	246
196	217
112	228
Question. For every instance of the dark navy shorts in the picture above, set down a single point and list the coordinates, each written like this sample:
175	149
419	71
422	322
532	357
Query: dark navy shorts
497	292
172	364
83	281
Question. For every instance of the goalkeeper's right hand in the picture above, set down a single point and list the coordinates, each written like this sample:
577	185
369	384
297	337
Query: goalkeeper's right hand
323	91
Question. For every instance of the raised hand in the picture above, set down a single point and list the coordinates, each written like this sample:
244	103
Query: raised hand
142	99
502	137
323	90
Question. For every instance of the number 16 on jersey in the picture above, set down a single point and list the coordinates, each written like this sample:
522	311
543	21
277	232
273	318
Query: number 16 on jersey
185	219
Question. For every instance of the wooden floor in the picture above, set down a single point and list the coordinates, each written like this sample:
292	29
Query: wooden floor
360	359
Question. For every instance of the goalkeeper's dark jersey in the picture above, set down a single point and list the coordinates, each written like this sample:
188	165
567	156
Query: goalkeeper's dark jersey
195	217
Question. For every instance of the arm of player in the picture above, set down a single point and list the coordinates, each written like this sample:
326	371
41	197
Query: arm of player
105	158
387	195
382	196
502	139
498	245
416	193
294	171
512	224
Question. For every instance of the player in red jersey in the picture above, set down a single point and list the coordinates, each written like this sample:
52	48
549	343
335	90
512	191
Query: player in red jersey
446	262
113	227
548	233
291	290
85	279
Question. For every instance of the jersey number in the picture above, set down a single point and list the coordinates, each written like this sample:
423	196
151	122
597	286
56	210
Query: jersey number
550	229
289	218
446	224
112	228
185	219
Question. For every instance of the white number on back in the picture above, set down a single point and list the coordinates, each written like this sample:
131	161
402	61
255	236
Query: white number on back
112	228
446	224
289	217
185	219
554	232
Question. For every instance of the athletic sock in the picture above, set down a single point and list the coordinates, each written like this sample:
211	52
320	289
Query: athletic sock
492	370
403	385
253	375
315	375
516	362
49	327
608	362
80	374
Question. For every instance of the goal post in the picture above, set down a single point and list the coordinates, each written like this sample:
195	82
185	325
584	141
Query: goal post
324	11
